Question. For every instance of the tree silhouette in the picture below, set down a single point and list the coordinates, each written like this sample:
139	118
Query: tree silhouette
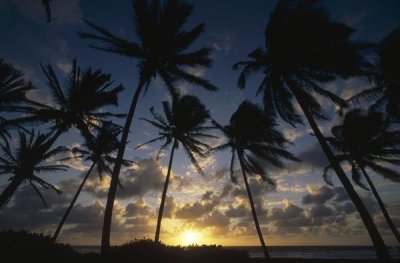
303	50
79	104
13	89
386	77
183	125
254	140
28	160
367	141
161	51
99	151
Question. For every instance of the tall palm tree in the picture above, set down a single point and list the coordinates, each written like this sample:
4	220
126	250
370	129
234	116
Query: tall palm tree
386	77
27	161
366	141
13	88
183	125
79	104
253	139
303	50
162	51
99	151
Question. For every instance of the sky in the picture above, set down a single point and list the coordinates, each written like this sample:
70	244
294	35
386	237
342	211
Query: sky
301	210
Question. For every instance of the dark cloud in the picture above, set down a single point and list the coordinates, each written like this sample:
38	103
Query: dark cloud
313	156
318	195
137	208
138	181
321	211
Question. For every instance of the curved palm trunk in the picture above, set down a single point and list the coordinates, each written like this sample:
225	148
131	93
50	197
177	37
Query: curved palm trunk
61	224
10	190
164	194
380	247
382	206
105	237
15	183
253	212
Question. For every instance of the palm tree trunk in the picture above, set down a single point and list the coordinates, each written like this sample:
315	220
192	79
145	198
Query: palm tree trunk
61	224
382	206
164	193
105	237
10	190
253	211
380	247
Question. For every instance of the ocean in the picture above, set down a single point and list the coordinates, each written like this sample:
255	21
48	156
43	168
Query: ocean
311	252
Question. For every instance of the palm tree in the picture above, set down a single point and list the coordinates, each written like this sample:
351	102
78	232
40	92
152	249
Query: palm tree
182	125
13	88
303	50
253	139
13	91
27	161
386	77
366	141
99	151
79	104
162	51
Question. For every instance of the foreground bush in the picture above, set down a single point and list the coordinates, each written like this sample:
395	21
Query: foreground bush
22	246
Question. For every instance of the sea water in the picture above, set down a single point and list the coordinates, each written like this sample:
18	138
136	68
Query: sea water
322	252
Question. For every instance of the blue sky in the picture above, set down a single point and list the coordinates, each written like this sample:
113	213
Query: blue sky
211	205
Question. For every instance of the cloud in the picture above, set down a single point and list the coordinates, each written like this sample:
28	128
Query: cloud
146	177
314	156
319	194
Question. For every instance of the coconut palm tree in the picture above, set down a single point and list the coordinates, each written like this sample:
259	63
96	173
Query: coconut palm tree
27	161
99	151
304	49
366	141
79	104
253	139
183	125
13	89
161	51
386	77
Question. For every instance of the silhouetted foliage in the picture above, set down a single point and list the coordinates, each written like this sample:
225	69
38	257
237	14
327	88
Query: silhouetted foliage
386	77
160	52
79	104
22	246
182	124
366	140
13	89
253	139
27	161
305	49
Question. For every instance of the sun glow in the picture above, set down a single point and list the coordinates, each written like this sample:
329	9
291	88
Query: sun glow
190	237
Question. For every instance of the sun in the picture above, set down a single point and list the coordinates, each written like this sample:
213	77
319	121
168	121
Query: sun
190	237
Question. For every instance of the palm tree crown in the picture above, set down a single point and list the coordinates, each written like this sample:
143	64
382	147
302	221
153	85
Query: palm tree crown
79	104
99	150
366	141
13	88
184	122
253	138
386	77
28	160
162	45
303	49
